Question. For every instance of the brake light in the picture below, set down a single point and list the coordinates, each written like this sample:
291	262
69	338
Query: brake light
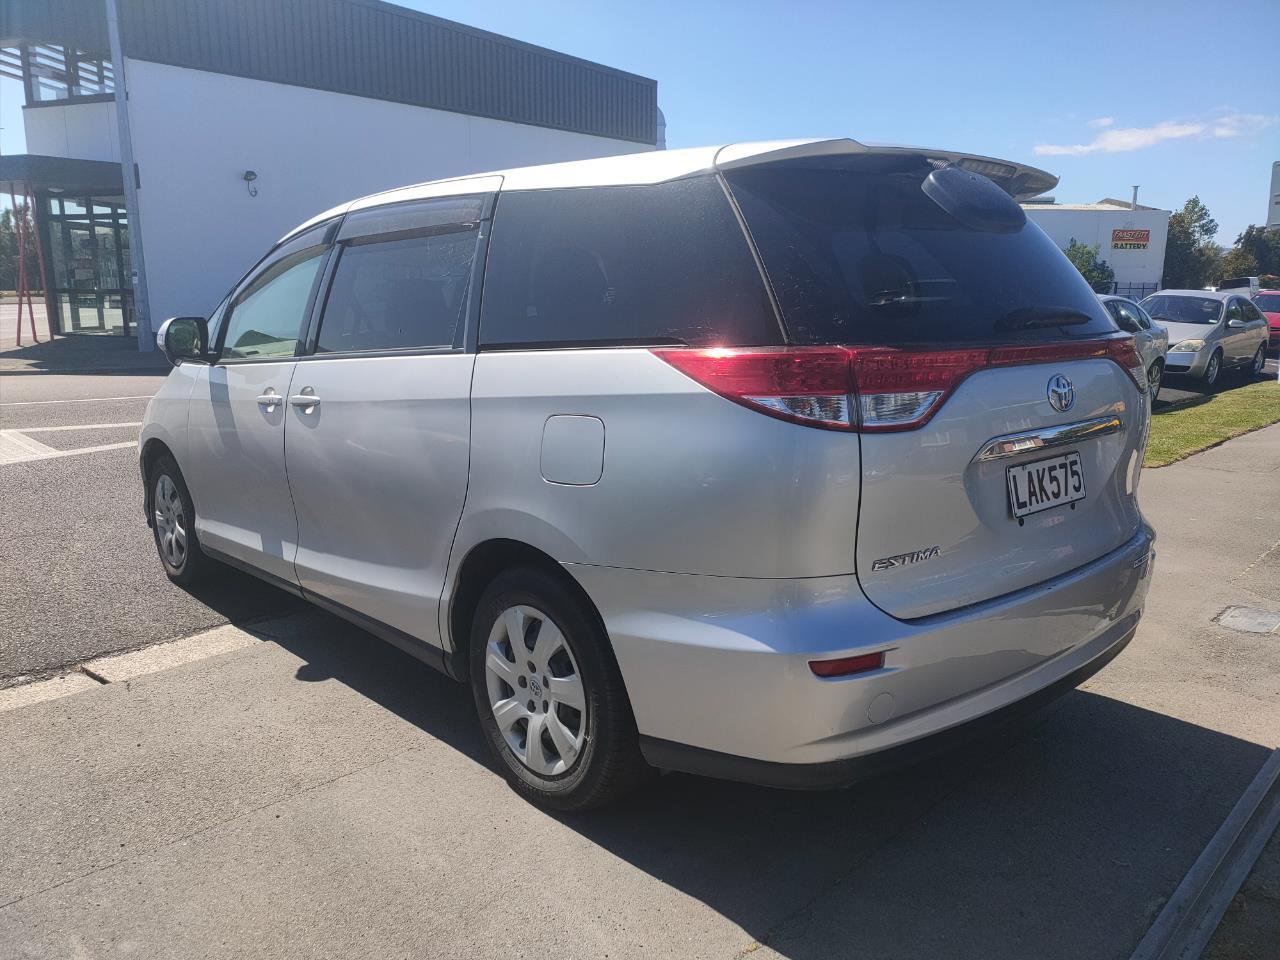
869	389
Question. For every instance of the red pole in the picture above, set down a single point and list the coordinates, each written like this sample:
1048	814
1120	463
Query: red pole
17	229
44	280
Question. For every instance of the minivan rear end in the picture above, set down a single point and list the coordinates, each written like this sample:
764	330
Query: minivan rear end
843	450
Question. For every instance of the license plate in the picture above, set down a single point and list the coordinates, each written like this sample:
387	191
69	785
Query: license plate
1045	483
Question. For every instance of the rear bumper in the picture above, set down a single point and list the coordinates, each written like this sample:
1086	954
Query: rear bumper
839	773
717	668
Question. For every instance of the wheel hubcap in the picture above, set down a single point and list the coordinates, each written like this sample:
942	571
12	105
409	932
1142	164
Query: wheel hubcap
535	690
1259	360
1212	374
171	522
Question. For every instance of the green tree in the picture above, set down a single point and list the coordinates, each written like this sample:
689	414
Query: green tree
1097	273
1263	246
1190	258
1238	262
9	251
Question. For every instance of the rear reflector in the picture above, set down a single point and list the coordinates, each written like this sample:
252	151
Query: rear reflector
869	389
843	667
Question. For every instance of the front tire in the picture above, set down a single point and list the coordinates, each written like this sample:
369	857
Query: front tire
1259	361
549	694
173	528
1154	373
1213	369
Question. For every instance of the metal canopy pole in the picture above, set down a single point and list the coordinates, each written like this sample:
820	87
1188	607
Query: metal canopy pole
129	170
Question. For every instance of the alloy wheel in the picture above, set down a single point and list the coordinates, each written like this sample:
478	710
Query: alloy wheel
1259	360
1211	371
171	522
535	691
1153	378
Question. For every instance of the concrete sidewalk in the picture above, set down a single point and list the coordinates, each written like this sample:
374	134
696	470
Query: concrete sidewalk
315	793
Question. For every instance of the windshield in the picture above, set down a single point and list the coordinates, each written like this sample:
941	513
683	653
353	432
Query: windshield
1267	302
882	249
1175	309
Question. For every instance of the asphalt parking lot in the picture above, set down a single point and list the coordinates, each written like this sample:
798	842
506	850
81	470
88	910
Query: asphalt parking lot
315	793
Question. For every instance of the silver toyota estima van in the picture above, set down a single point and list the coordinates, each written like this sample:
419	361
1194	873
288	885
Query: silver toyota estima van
776	462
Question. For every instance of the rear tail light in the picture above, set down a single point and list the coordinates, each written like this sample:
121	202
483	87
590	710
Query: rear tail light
869	389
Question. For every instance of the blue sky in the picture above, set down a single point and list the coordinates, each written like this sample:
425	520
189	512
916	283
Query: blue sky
1181	98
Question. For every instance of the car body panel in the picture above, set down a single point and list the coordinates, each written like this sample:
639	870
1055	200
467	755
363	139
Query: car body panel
378	474
234	465
924	489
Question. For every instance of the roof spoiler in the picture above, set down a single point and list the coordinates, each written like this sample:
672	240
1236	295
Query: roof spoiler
1016	179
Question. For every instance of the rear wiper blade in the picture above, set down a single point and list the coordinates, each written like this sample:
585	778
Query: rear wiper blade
1027	318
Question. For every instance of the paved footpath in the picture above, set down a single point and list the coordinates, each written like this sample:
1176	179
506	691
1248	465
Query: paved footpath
309	792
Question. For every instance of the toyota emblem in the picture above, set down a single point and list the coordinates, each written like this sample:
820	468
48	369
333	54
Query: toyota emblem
1062	395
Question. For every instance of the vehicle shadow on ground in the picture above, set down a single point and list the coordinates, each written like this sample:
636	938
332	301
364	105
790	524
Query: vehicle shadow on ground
1182	390
1057	838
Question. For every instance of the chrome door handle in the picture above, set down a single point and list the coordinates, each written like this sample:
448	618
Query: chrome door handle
306	401
269	400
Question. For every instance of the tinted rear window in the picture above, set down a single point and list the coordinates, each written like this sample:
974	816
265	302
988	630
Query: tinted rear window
1173	309
601	266
858	252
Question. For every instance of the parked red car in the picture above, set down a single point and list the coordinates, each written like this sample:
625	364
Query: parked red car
1268	301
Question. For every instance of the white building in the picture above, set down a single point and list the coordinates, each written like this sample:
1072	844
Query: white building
1130	237
164	158
1273	199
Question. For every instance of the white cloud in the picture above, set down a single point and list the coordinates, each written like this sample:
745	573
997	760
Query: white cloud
1121	139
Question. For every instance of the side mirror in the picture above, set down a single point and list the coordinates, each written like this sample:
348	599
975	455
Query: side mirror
1235	323
183	338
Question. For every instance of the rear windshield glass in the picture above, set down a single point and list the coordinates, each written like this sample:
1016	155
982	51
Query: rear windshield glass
618	266
858	252
1267	302
1173	309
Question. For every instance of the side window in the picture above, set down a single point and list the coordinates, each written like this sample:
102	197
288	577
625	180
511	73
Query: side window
400	293
268	313
215	319
1125	318
1233	310
602	266
1251	311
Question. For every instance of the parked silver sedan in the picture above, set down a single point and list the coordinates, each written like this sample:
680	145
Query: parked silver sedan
1151	339
1210	330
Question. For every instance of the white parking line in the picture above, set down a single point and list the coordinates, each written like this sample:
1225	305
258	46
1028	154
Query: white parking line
32	403
17	447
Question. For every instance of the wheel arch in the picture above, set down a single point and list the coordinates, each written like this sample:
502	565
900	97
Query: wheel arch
482	564
152	450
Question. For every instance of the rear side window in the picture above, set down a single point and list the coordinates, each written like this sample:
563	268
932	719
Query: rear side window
613	266
398	294
870	249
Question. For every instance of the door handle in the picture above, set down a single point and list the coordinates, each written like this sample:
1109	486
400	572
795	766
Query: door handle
306	401
269	400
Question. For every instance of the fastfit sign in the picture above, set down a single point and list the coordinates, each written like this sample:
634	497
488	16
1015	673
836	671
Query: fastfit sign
1130	239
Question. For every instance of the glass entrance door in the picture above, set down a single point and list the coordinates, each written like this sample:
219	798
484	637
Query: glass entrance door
88	239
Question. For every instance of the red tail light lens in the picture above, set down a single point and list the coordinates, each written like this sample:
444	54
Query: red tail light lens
843	667
869	389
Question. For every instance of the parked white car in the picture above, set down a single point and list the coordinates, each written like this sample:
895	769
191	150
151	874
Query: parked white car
1151	339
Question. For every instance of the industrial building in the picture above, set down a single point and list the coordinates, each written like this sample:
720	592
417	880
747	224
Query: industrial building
1130	237
171	142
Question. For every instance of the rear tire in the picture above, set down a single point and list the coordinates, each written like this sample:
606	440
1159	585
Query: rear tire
551	700
1154	374
173	517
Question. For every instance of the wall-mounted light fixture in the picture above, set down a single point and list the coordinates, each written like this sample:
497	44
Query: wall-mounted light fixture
249	177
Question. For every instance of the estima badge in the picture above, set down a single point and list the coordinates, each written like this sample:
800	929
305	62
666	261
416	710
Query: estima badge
903	559
1062	394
